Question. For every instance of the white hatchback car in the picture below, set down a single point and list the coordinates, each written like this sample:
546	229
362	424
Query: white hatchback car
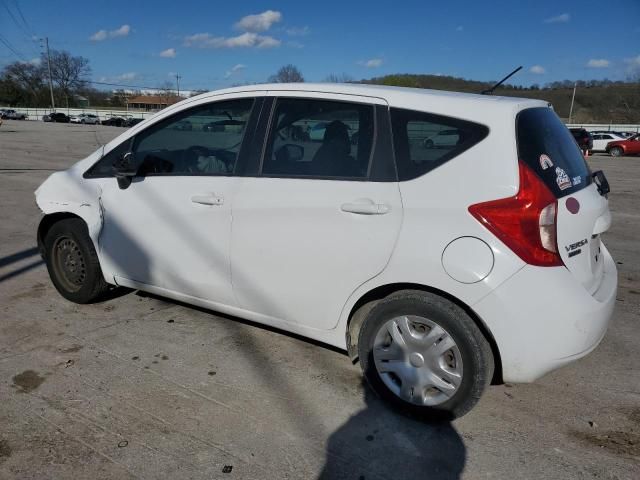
88	118
439	269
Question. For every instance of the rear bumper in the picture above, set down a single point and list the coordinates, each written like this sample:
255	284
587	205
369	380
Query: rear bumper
542	319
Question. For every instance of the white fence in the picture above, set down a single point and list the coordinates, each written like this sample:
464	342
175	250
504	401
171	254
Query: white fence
608	127
38	113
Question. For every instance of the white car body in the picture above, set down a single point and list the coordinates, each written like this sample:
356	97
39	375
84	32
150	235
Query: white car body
295	258
601	139
87	118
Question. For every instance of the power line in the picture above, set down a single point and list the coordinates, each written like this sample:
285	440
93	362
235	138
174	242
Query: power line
140	87
6	43
24	20
21	27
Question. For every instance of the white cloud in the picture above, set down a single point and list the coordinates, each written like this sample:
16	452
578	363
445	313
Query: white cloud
562	18
127	76
101	35
245	40
538	70
298	31
295	44
234	70
459	28
168	53
260	22
634	61
34	61
123	31
634	66
372	63
598	63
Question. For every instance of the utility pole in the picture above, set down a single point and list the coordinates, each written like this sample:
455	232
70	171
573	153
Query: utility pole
53	104
178	77
573	97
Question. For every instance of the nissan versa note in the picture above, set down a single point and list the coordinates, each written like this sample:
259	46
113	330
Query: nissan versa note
439	269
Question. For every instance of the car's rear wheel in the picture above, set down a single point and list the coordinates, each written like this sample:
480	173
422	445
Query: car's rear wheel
72	262
616	152
425	355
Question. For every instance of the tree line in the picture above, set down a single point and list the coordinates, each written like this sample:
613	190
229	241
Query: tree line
602	101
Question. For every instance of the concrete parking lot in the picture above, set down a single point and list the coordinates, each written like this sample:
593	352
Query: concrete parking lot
141	387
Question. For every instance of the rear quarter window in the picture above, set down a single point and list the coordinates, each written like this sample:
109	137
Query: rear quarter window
550	150
424	141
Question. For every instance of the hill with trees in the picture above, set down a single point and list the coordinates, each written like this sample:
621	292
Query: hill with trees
596	101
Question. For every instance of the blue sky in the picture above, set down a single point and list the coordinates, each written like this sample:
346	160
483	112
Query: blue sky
213	44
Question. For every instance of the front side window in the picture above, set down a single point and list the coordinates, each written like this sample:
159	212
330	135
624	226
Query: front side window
204	140
423	141
320	139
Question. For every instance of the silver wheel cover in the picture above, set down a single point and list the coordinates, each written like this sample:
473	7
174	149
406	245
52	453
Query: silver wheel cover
418	360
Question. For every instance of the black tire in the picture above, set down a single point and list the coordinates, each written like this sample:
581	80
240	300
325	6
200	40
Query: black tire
72	262
473	348
616	152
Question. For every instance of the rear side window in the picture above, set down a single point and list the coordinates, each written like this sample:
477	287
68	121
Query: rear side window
423	141
319	139
549	149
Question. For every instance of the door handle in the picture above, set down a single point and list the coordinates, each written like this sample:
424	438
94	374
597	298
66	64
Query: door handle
207	199
365	207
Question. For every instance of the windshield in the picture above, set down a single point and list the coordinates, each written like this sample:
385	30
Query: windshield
549	149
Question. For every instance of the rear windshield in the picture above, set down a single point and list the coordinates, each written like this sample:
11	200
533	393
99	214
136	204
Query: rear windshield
549	149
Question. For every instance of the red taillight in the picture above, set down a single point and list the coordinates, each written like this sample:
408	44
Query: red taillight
525	223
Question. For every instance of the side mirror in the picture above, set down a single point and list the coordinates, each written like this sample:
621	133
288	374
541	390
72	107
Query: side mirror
124	170
291	152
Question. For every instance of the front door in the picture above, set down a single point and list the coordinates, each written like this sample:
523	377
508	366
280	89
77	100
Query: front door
312	227
171	227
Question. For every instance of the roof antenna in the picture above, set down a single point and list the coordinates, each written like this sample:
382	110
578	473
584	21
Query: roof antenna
490	90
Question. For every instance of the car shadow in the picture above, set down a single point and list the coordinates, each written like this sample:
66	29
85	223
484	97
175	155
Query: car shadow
378	442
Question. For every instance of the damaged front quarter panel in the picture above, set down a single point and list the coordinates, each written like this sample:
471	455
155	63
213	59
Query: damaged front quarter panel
69	192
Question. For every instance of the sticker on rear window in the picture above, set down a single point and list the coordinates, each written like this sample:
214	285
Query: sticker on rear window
545	162
577	180
562	179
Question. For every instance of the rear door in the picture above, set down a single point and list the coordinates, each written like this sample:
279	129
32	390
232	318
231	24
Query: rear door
319	218
546	145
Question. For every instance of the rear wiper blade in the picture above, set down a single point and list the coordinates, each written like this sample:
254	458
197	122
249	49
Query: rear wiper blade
489	91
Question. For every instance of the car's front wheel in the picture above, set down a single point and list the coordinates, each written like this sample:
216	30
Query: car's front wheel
425	355
72	262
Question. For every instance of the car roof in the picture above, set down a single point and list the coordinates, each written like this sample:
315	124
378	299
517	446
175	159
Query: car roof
404	97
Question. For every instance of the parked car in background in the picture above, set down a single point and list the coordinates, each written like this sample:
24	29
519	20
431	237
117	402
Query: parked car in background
583	138
600	140
628	146
117	120
626	134
133	121
444	138
434	268
56	117
88	118
9	114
